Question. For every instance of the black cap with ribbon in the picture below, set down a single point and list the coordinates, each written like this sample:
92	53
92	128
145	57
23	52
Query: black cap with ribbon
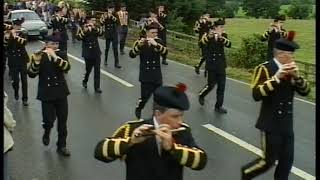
172	97
287	44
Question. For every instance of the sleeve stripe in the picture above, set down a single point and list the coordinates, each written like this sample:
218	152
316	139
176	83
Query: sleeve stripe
256	76
269	85
67	64
61	62
184	157
196	160
117	147
164	50
266	35
105	148
118	130
136	49
262	91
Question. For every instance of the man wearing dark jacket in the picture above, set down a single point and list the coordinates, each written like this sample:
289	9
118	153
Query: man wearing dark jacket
275	83
110	21
59	24
157	148
201	27
52	91
150	48
91	52
214	43
274	33
15	43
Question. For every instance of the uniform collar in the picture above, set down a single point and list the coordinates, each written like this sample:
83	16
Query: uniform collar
277	63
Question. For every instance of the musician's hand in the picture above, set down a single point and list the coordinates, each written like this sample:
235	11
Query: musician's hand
51	53
85	28
165	135
141	42
282	72
137	134
293	70
152	42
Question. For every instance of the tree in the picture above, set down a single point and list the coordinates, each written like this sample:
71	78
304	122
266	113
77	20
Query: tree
215	6
299	9
230	9
285	2
261	8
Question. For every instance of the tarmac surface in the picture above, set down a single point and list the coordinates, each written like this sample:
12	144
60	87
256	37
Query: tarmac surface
93	117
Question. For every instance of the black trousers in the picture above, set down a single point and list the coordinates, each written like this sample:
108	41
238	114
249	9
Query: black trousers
18	73
147	90
202	59
93	63
163	37
56	109
213	79
63	46
275	147
123	31
114	42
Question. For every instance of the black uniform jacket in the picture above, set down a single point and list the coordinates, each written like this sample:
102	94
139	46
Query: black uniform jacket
271	36
90	44
143	160
110	24
201	27
16	51
52	84
150	68
276	113
214	52
59	25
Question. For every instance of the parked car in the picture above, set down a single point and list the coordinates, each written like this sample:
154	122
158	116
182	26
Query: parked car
32	25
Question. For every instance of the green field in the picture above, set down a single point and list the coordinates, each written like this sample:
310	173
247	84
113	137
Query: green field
305	33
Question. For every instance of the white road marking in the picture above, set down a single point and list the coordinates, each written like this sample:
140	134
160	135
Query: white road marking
123	82
302	100
255	150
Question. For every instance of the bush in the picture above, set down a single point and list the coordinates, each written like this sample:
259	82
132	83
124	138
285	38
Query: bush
251	53
175	23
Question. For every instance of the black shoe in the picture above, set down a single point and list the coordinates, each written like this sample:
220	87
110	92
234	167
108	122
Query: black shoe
164	62
46	138
122	53
98	90
117	66
138	113
197	70
201	100
221	110
63	151
84	84
25	103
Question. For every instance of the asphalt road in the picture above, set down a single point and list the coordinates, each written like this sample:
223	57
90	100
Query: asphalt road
93	117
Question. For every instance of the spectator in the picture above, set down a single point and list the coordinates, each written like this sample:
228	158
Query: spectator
8	124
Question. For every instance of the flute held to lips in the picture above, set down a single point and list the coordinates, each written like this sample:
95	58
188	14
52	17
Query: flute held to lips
150	132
